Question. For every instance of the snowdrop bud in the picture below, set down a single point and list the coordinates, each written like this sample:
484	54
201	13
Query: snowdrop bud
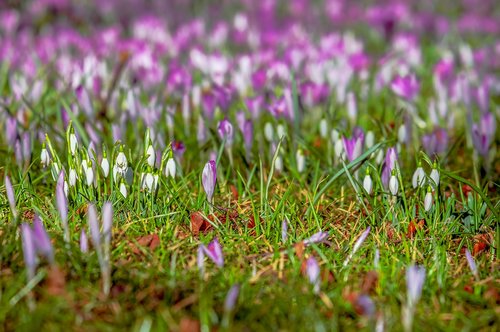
369	139
379	157
281	131
88	171
352	109
393	184
105	165
323	128
72	177
268	131
170	168
418	179
44	156
428	199
335	136
339	149
151	156
123	189
402	134
73	143
301	161
368	183
278	165
434	176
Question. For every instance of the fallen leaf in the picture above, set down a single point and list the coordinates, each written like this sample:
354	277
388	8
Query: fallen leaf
189	325
413	227
198	223
150	241
55	282
299	249
369	282
234	192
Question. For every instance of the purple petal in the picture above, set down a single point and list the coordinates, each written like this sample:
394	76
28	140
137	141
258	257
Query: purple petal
313	271
472	263
415	277
231	298
41	240
94	226
200	259
214	252
61	200
107	221
84	242
316	238
28	250
284	230
10	195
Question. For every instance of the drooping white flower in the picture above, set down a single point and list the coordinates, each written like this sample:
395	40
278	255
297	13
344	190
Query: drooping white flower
434	176
170	168
105	166
428	200
369	139
123	189
268	132
368	183
323	128
44	156
151	156
393	185
301	160
72	177
280	131
418	179
73	143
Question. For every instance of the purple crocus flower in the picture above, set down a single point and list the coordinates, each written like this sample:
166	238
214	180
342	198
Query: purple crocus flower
415	277
406	87
200	259
11	130
472	263
254	105
94	227
483	134
84	242
84	100
284	230
107	222
313	273
279	108
389	165
225	129
214	251
41	240
248	135
231	298
366	304
316	238
209	178
29	251
353	145
11	197
435	142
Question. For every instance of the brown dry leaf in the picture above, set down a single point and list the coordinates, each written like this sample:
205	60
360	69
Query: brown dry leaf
369	282
299	249
198	223
492	295
234	192
56	282
481	244
189	325
413	227
150	241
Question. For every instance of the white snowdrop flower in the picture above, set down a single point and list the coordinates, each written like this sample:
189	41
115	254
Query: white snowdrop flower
155	182
170	168
89	173
73	143
105	166
323	128
339	149
369	139
121	164
55	169
123	189
418	179
434	176
368	183
281	131
44	156
151	156
393	185
335	136
278	165
402	134
301	160
65	188
428	200
72	177
268	132
148	182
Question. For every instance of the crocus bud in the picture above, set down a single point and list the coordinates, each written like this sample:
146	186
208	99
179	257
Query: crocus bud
393	184
41	240
313	273
29	252
225	129
62	205
301	160
231	298
170	168
418	179
84	243
368	183
209	178
428	199
44	156
415	277
284	230
214	251
11	197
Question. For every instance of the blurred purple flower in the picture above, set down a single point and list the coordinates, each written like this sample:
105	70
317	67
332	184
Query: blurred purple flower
11	196
107	222
313	273
209	178
279	108
41	240
29	251
472	264
435	142
94	227
284	230
214	251
84	242
415	277
483	133
389	165
316	238
231	298
254	105
406	87
11	131
366	304
353	146
225	129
